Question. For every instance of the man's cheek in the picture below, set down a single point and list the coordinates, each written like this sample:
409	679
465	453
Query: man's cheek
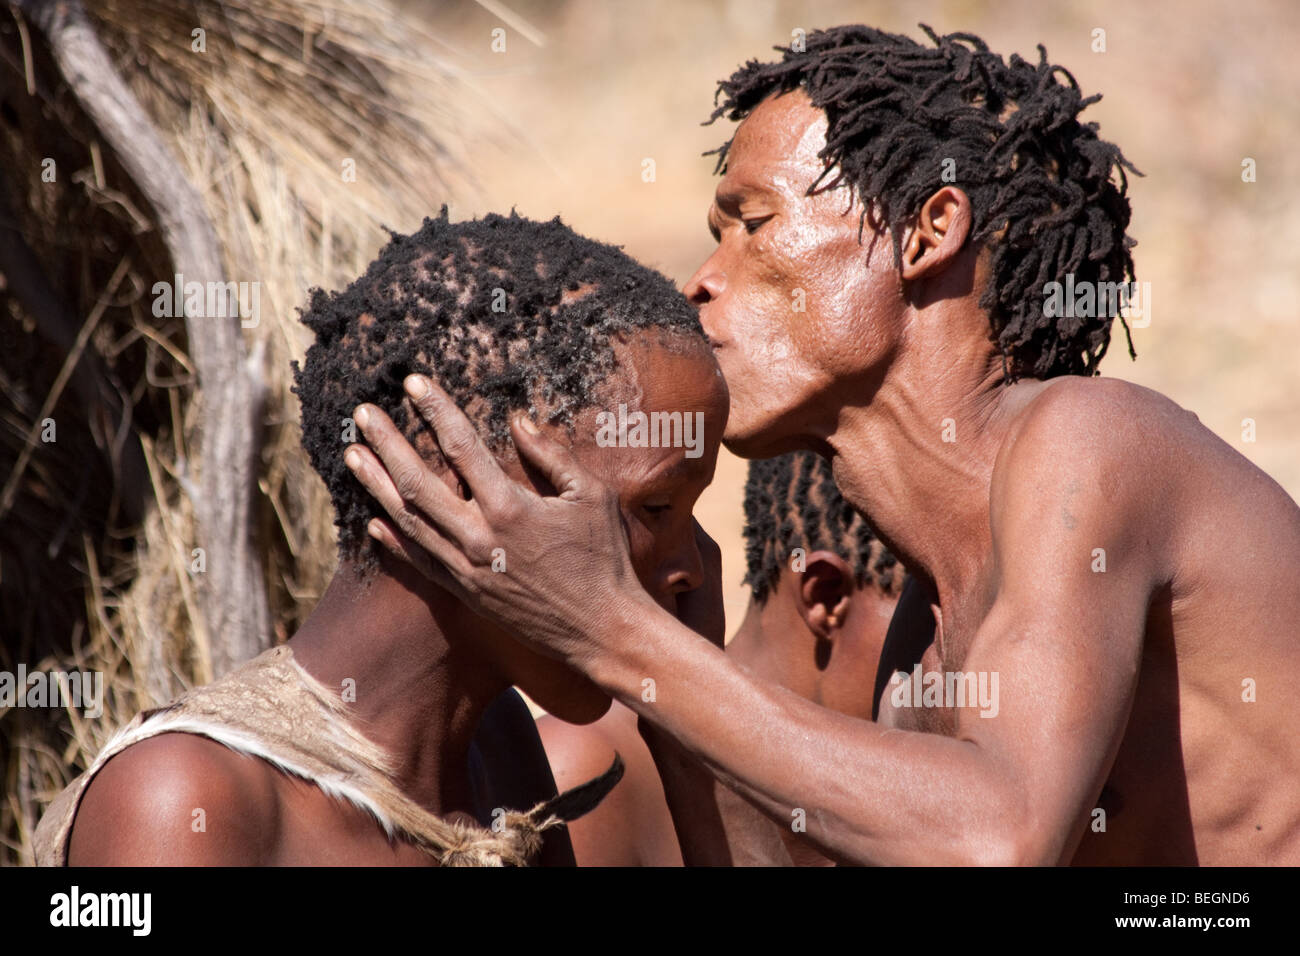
769	344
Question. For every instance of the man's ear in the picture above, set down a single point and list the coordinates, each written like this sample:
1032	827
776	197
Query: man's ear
940	232
824	589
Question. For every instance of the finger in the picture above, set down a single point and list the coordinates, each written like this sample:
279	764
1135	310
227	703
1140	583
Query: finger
702	608
400	470
554	461
400	546
710	552
406	549
440	573
459	441
418	518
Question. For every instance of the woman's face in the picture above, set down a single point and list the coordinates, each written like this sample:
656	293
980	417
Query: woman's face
681	393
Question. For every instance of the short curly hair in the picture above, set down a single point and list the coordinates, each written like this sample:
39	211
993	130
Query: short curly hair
504	312
792	501
900	114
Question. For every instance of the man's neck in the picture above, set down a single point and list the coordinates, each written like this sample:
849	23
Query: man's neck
918	458
781	651
419	695
776	644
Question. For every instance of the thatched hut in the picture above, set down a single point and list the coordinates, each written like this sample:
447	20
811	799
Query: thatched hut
158	520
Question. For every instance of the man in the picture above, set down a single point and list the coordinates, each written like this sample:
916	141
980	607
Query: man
1055	522
822	591
363	723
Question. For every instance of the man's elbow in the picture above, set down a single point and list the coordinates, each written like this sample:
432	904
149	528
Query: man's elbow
1005	851
1008	832
1012	843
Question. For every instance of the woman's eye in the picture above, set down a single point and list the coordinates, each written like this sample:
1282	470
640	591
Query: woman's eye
751	225
657	509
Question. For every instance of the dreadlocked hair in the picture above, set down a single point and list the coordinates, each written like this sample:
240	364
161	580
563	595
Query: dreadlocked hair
792	501
505	313
901	114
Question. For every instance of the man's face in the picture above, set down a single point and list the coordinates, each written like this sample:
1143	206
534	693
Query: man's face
803	317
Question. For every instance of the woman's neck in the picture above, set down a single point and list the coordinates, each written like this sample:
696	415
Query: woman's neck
381	639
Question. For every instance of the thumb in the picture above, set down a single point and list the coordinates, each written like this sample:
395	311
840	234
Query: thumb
554	461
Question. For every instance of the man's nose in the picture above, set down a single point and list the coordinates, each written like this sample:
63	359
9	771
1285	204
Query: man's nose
706	285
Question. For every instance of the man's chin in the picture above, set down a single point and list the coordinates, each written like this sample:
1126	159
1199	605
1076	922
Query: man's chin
740	437
740	447
752	442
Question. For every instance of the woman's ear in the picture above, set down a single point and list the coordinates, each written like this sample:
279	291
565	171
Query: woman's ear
824	589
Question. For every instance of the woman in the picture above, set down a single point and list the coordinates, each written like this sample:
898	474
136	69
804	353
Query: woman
362	724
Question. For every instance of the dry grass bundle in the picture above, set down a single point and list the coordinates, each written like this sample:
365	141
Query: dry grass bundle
265	109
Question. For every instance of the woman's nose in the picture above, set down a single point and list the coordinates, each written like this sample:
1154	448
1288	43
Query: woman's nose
686	571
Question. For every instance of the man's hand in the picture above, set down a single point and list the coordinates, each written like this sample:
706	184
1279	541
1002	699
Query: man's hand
569	571
702	609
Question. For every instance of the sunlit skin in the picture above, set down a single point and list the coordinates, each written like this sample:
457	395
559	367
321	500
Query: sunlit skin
633	825
818	633
426	669
1158	687
793	329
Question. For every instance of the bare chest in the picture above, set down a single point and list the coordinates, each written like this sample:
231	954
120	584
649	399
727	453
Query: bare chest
926	693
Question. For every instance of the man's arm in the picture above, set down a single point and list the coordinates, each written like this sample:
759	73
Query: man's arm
715	826
1063	641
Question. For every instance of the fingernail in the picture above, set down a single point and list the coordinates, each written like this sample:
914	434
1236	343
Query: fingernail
361	415
527	425
373	529
352	458
415	386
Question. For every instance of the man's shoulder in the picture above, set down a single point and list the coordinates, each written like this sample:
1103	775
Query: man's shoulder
632	825
1090	459
176	799
1074	412
1094	427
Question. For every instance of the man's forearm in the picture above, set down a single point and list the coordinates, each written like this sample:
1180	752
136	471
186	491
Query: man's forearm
866	793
